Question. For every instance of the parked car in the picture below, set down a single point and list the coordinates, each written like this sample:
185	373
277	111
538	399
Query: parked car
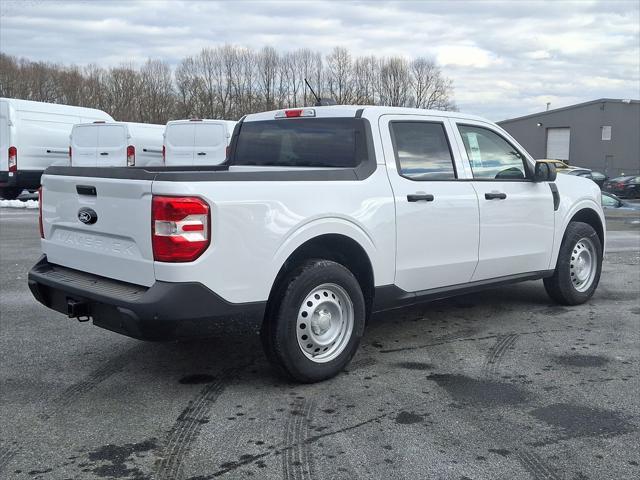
597	177
624	187
315	221
196	142
559	164
116	144
609	200
34	135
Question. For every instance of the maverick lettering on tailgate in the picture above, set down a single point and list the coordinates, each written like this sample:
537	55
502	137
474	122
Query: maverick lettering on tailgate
116	246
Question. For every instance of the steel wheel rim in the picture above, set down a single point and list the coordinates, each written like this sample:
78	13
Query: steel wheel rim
583	264
325	322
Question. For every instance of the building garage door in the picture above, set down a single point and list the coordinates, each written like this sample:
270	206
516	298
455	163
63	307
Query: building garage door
558	143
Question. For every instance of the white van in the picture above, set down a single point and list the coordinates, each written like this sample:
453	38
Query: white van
196	142
34	135
116	144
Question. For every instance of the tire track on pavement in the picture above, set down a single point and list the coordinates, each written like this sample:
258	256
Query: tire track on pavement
535	466
77	390
68	397
529	460
497	353
187	427
297	461
6	455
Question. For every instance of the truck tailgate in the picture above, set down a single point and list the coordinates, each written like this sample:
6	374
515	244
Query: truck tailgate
118	244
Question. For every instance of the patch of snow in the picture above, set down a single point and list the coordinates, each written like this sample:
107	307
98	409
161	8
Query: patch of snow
19	204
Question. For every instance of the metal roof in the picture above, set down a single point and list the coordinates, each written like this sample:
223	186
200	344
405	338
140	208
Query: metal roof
569	107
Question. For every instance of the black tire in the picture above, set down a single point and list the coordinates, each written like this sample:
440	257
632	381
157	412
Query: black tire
10	193
280	328
561	286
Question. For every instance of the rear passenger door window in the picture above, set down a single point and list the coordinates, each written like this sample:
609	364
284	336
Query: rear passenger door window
422	151
491	157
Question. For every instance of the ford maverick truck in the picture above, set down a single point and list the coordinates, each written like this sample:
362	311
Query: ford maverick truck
318	218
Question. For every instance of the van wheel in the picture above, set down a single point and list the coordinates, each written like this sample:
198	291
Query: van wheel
10	193
314	329
579	266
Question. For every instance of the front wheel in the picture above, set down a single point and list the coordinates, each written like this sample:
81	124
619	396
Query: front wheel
579	266
315	326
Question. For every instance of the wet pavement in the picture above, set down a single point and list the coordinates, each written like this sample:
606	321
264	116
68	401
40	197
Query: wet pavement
502	384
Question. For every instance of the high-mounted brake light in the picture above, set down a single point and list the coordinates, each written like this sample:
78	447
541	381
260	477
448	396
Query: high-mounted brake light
131	156
195	119
99	121
296	112
181	228
13	159
40	212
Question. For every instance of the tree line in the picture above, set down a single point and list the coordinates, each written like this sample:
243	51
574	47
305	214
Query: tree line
228	82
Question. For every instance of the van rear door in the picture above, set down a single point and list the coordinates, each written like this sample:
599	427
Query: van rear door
210	143
114	241
178	142
112	145
84	145
5	136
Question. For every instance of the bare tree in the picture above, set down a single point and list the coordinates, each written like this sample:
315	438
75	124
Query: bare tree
340	75
228	82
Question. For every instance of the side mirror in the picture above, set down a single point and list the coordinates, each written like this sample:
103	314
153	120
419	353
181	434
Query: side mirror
544	172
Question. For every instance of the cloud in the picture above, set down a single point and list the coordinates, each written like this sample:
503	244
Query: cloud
505	58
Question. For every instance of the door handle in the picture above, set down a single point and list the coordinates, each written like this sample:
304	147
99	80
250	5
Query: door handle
420	197
104	153
202	153
495	196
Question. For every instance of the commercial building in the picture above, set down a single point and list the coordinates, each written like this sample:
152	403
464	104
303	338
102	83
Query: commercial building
602	135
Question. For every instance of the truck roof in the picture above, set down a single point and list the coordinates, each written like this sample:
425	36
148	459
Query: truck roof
199	120
126	124
368	111
31	106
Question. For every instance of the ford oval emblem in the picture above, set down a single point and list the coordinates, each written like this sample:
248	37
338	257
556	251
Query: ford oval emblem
87	216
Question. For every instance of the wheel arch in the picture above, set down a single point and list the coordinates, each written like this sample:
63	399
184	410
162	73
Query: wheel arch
586	212
337	247
589	216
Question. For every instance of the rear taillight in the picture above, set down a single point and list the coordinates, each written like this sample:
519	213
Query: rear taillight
70	155
13	159
180	228
40	212
131	156
164	153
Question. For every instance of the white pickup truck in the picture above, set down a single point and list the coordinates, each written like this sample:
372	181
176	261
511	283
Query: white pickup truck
318	218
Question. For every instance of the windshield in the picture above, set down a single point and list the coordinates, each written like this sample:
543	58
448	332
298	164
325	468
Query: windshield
308	142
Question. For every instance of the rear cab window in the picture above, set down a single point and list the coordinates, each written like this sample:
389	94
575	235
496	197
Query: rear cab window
327	142
422	150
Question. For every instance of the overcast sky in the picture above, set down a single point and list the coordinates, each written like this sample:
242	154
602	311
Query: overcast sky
506	59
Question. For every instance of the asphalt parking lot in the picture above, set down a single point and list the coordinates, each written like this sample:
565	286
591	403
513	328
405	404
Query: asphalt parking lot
497	385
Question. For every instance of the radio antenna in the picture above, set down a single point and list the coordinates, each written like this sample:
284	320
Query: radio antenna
314	93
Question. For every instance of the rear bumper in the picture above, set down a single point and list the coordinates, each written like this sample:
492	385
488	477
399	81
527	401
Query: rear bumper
29	179
163	311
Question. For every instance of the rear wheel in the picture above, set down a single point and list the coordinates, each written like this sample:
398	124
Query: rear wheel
10	193
579	266
314	327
